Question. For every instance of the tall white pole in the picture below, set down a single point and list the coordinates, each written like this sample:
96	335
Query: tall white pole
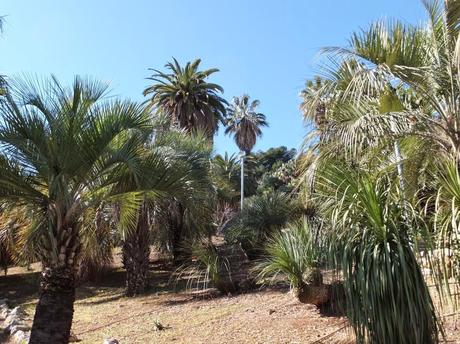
242	179
399	167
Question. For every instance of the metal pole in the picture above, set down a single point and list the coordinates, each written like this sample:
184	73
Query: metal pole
242	180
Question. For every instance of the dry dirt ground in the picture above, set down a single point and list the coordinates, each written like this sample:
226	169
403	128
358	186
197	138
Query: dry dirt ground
263	316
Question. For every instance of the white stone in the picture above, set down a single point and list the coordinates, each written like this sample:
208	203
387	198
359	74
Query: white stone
4	313
111	341
10	324
19	327
21	337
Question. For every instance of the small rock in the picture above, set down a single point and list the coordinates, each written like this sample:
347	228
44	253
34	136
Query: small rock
4	311
21	337
111	341
18	327
16	313
11	325
73	338
157	326
271	311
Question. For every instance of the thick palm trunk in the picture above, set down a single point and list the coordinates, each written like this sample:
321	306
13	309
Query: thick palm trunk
54	311
136	253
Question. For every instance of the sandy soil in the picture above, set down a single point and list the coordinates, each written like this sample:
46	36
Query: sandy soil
263	316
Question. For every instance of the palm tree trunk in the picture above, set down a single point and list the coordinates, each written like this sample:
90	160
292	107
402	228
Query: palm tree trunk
176	215
136	253
242	180
54	311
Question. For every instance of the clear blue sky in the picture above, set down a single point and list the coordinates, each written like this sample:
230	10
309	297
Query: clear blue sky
265	48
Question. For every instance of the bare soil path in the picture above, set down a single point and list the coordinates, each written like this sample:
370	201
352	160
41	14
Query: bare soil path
263	316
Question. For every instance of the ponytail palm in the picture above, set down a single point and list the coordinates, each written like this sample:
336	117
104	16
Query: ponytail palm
62	152
372	231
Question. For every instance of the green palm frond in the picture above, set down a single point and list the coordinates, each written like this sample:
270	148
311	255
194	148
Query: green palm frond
187	98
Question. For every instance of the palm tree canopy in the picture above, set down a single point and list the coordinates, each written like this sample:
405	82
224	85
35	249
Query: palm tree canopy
245	122
63	150
184	95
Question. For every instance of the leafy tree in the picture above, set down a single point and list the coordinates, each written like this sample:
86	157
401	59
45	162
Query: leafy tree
185	100
385	106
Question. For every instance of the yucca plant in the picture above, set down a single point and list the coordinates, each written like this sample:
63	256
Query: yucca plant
292	253
372	230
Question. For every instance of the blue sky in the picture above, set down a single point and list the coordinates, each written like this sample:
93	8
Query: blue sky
265	48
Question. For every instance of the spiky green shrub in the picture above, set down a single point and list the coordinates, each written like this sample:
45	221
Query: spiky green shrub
260	218
372	229
204	267
443	243
290	253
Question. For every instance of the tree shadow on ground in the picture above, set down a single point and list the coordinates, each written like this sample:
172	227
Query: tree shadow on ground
20	288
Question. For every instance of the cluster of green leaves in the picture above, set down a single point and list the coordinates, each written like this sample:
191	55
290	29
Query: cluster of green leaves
262	216
290	253
372	231
380	169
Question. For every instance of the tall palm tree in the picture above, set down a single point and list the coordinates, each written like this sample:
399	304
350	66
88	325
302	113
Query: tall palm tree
245	123
63	152
186	98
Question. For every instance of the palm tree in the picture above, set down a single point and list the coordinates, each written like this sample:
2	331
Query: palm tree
63	151
186	98
245	124
177	165
392	100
